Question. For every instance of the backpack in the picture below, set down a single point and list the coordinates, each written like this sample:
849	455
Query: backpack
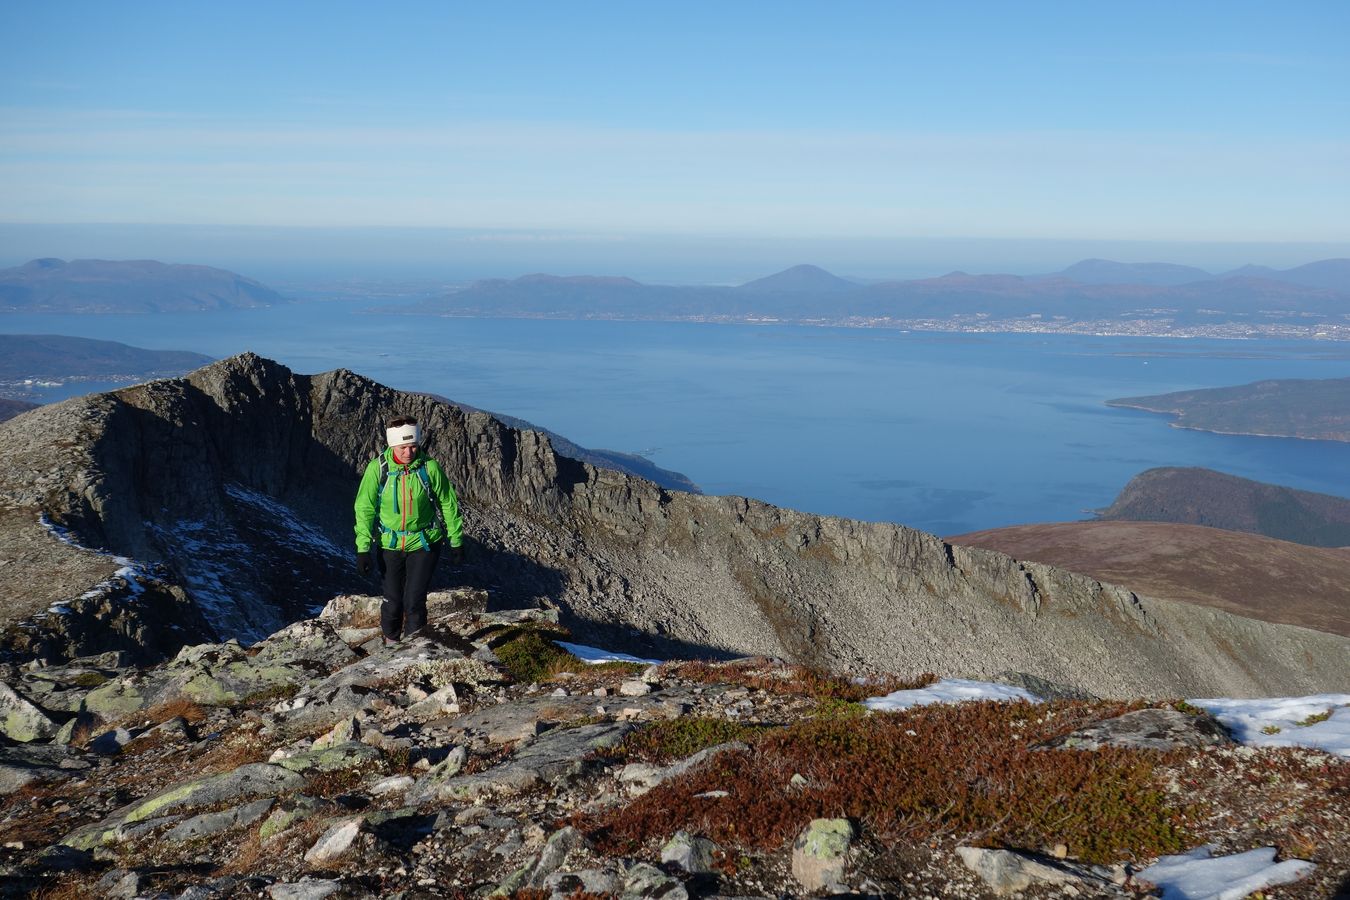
426	486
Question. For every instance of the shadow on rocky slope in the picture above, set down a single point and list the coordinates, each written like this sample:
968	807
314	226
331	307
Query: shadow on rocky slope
238	479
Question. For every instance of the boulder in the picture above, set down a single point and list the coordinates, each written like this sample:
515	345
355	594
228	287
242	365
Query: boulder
820	855
23	764
348	755
691	853
555	755
1008	872
336	841
1150	729
208	824
547	861
253	780
644	880
22	721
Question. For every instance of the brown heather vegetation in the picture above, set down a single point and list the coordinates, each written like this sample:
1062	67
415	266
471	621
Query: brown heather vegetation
776	678
972	769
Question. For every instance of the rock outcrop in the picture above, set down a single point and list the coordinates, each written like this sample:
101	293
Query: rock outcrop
750	778
226	495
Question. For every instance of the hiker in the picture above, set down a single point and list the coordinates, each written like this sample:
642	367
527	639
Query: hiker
405	495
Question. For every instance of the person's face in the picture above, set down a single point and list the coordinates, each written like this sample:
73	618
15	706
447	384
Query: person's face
403	454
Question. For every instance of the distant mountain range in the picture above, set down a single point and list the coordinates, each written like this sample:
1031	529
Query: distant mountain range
1167	297
1314	408
126	286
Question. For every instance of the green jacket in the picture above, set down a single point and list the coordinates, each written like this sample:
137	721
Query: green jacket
407	517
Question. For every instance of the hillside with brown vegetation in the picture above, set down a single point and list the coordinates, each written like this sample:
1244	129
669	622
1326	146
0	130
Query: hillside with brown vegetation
1246	574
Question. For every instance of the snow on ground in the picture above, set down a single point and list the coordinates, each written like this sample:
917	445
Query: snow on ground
129	573
297	530
595	655
948	690
1286	721
1198	876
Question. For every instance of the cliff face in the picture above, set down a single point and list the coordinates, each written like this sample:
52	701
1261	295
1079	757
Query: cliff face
238	479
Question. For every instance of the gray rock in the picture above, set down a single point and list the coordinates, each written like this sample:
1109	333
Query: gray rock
331	759
555	755
589	881
110	743
549	859
290	812
23	764
820	855
1008	872
644	880
635	688
254	780
691	853
430	785
213	823
336	841
130	831
1150	729
83	722
22	721
343	732
304	889
120	884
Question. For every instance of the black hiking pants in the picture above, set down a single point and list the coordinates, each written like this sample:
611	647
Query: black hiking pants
407	574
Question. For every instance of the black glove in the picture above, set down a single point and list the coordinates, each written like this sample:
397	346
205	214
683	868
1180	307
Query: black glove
362	562
457	555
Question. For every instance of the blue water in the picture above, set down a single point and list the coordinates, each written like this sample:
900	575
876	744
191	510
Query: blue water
944	432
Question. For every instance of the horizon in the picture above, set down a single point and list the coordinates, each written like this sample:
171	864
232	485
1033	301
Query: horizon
708	144
311	255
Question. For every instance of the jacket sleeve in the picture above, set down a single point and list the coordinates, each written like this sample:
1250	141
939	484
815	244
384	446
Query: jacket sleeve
445	493
366	502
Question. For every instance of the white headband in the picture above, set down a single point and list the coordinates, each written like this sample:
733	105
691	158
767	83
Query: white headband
403	434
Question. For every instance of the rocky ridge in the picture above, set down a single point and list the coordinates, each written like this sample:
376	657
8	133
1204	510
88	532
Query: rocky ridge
230	489
477	760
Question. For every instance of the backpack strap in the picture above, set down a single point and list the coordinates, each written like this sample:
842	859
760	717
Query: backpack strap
431	495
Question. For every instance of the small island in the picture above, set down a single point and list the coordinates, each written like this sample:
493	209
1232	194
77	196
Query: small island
1313	409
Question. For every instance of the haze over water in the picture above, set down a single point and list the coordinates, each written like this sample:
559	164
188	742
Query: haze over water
943	432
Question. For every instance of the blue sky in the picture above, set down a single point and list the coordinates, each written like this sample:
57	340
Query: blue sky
840	125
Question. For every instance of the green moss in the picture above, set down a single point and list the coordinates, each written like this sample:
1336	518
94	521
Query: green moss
529	656
840	709
674	739
1314	719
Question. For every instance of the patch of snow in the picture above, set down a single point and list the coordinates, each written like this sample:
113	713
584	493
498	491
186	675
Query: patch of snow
949	690
1198	875
297	530
1273	721
214	586
129	575
595	655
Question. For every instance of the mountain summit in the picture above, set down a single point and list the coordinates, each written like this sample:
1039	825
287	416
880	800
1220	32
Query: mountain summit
219	505
800	279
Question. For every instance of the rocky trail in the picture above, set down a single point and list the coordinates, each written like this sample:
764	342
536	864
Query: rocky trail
481	759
